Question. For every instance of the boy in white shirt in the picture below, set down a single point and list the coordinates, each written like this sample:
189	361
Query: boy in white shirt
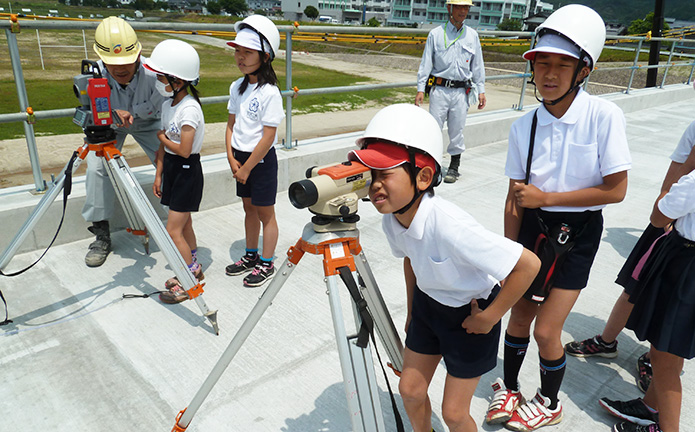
452	266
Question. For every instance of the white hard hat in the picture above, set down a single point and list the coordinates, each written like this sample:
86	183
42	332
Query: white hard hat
176	58
408	125
579	24
460	2
263	26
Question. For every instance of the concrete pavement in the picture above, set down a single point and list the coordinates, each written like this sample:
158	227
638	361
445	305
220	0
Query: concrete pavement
80	357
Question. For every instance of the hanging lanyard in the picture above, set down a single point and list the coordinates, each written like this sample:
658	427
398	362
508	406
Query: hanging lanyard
462	31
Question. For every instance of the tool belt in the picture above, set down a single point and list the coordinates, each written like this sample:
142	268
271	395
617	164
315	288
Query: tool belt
433	81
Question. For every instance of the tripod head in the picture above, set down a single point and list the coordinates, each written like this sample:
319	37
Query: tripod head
94	116
331	193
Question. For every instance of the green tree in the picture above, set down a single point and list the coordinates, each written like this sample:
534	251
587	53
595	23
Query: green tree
311	12
642	26
234	7
509	24
214	7
373	22
260	12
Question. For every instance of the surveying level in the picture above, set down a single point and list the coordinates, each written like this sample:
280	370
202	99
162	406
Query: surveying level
96	119
342	257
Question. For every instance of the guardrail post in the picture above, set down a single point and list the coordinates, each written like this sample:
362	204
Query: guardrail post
668	64
23	105
288	80
523	80
634	66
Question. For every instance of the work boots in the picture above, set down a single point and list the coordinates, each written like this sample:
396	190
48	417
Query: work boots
100	248
453	173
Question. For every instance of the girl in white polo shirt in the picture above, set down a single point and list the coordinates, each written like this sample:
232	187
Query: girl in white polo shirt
179	178
566	161
452	266
255	111
664	299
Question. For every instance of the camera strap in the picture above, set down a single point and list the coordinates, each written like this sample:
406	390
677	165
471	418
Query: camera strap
367	330
67	189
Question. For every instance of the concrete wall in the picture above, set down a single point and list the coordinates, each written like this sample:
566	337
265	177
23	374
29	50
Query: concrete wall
17	203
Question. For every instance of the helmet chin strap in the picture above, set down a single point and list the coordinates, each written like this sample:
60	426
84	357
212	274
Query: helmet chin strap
417	193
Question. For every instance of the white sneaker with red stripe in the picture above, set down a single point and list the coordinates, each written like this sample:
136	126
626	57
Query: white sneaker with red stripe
535	414
504	403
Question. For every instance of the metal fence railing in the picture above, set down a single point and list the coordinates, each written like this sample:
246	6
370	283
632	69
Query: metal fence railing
322	32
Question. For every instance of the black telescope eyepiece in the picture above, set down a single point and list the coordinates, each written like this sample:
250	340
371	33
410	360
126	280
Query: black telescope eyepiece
303	194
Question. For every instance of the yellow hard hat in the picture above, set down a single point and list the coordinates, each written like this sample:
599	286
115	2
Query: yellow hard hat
460	2
115	42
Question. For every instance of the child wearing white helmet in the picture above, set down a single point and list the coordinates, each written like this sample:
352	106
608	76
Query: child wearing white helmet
566	161
179	178
452	266
255	111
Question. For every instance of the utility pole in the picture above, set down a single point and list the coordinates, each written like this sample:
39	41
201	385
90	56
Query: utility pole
655	46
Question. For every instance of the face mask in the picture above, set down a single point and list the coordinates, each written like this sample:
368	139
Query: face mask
161	88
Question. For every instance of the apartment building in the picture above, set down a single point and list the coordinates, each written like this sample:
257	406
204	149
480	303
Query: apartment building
343	11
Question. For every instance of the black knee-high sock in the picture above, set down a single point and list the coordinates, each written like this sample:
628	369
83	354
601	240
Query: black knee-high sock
552	372
514	353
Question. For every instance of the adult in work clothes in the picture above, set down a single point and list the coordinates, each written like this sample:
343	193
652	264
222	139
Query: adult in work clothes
454	58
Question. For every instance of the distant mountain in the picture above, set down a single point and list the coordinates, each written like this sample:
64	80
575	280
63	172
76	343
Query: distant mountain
625	11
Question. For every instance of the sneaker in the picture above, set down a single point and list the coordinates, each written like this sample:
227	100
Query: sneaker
644	372
535	414
504	403
245	264
634	411
592	347
260	274
631	427
101	247
451	176
173	295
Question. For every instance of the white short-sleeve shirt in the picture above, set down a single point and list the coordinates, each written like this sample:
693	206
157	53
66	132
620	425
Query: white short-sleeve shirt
455	259
187	112
679	204
686	143
256	108
572	152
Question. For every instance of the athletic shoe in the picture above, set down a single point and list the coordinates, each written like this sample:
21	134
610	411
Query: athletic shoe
634	411
644	372
451	176
592	347
260	274
535	414
631	427
504	403
101	247
245	264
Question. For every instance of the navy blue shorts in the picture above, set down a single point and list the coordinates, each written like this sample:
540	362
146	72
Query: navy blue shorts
435	329
574	273
262	184
182	182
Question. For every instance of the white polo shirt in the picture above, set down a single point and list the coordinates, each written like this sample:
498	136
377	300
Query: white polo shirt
679	204
573	152
686	143
187	112
256	108
455	259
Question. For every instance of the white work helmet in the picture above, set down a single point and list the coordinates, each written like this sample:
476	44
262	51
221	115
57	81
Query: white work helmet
175	58
408	125
265	28
115	42
579	24
460	2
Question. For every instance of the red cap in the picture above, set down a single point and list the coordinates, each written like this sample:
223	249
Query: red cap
385	155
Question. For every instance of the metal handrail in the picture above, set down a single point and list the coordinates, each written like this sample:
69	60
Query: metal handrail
288	93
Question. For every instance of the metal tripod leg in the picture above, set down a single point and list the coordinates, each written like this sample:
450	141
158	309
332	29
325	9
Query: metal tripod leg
136	225
383	324
54	189
137	200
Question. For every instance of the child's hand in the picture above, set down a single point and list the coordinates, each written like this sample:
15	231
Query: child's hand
157	187
241	174
528	196
233	164
477	321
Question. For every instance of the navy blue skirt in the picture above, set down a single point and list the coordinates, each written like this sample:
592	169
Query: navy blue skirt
664	297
